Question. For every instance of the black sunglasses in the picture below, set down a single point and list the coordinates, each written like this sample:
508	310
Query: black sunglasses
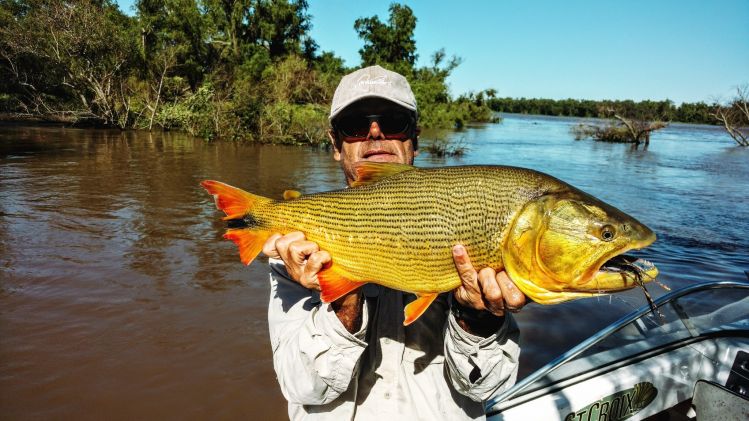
393	125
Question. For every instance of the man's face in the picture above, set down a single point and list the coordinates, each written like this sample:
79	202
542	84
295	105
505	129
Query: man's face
372	144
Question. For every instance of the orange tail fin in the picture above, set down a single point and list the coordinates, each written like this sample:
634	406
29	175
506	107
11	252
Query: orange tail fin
237	204
250	242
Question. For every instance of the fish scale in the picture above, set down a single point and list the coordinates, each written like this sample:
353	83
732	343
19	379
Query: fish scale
418	216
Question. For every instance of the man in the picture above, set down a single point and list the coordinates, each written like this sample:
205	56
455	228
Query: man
353	358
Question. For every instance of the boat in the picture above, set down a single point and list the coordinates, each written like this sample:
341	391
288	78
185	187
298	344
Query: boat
687	360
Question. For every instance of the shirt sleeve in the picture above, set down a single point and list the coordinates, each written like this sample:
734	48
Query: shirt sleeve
482	367
314	356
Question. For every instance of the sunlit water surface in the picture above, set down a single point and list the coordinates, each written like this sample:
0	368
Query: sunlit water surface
118	297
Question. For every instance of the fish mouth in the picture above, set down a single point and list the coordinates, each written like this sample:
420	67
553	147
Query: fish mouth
623	272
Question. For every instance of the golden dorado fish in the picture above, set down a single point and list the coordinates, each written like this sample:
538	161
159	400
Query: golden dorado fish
398	226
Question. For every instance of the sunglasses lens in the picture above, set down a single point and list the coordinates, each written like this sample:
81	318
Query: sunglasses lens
395	123
354	126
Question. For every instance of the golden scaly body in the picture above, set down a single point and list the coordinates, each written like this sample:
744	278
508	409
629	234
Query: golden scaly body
399	232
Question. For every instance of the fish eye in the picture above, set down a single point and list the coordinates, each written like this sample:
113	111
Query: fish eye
608	233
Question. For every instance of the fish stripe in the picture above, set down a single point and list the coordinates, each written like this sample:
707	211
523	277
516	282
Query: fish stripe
409	231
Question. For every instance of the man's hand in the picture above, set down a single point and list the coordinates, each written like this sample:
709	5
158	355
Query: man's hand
486	289
303	259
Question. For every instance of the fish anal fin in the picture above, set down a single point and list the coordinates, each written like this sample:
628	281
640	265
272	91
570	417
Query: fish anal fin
372	172
416	308
291	194
250	242
334	285
235	202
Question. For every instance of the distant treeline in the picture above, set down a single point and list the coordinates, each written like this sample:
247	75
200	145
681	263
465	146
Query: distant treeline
246	69
699	112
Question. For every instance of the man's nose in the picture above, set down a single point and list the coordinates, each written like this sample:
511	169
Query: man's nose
374	132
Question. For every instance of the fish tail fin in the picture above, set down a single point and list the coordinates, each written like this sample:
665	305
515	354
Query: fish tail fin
245	230
236	203
249	241
334	284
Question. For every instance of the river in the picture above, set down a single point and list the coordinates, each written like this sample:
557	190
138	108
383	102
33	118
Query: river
120	300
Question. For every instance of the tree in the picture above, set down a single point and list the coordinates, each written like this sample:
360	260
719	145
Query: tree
391	43
734	116
639	130
280	27
70	58
174	28
634	125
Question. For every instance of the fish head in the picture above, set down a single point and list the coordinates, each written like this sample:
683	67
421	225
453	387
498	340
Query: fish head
569	245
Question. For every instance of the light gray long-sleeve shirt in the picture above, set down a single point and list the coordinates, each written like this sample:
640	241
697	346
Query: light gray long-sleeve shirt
431	369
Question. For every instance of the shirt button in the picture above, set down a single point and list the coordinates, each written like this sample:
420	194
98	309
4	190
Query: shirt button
386	341
387	395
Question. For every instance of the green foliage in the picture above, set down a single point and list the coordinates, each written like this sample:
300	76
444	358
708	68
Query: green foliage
293	123
61	53
625	131
200	114
443	146
699	112
177	28
392	43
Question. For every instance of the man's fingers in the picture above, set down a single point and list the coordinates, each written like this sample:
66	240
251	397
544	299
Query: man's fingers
282	244
299	251
469	292
315	264
464	266
317	261
513	297
490	291
269	248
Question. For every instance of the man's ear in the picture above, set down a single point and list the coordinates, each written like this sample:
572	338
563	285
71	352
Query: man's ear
415	140
336	151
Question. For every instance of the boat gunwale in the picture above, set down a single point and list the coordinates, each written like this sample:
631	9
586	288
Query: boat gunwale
514	392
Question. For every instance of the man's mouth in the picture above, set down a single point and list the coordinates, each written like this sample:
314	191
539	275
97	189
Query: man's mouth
377	155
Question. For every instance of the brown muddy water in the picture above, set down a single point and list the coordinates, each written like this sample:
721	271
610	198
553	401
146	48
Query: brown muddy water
120	300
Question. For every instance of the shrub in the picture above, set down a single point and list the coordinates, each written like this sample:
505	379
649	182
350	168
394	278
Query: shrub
442	146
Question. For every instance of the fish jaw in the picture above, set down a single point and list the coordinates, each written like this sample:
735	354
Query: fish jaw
624	272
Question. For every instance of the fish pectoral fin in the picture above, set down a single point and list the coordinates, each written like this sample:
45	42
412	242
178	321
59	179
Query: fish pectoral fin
372	172
334	284
249	241
416	308
291	194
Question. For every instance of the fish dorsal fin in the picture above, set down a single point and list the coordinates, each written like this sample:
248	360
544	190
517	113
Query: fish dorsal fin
291	194
372	172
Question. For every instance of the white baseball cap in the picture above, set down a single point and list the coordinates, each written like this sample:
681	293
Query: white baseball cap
372	82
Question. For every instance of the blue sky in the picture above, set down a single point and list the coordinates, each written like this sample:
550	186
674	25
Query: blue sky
686	50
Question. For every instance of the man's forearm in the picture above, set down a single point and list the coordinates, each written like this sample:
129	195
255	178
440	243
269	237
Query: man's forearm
349	311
